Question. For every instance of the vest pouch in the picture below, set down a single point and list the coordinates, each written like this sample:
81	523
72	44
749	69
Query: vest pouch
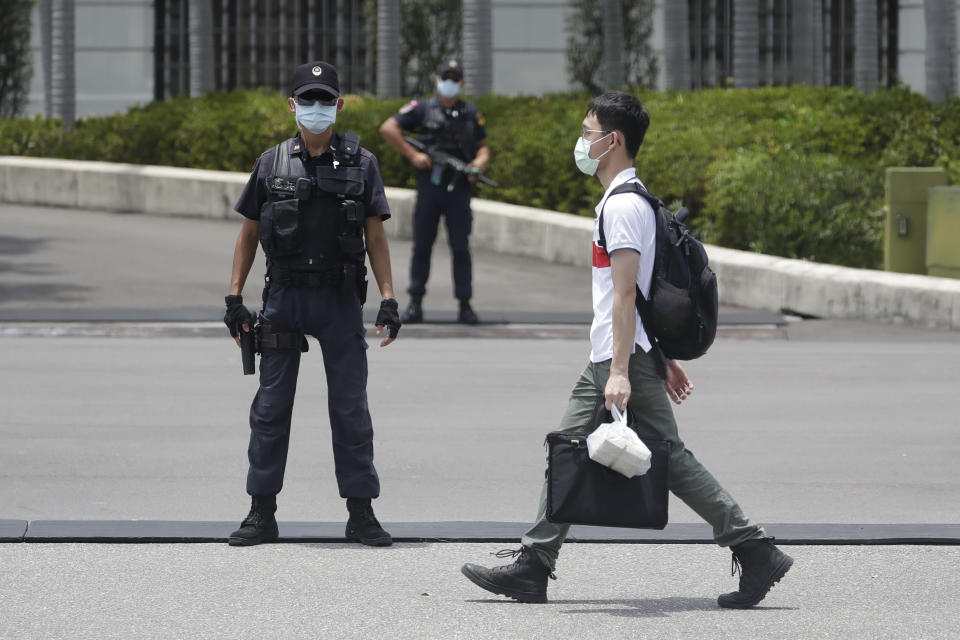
284	227
351	228
342	180
351	245
265	229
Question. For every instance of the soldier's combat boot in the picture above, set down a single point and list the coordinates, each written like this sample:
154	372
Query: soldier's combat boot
525	580
363	526
413	314
259	526
467	314
761	565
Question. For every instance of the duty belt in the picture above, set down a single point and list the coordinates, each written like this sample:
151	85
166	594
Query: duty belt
332	277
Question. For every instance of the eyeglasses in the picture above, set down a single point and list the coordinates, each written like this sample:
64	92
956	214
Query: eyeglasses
584	131
309	99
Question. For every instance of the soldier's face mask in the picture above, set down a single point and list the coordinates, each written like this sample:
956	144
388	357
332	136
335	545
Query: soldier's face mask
316	117
581	154
448	88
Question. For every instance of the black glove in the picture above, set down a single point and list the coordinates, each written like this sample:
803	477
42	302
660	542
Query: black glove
389	316
236	315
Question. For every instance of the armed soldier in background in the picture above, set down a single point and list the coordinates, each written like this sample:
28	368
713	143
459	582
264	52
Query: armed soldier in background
316	203
448	125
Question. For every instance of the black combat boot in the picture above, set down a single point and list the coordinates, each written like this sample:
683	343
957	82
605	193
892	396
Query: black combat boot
467	314
761	566
259	525
363	526
413	314
525	580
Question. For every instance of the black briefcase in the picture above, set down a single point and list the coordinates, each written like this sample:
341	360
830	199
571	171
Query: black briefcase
581	491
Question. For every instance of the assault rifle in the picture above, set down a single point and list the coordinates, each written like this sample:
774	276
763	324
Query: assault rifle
442	160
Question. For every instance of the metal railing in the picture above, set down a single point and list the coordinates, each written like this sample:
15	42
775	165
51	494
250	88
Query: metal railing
256	43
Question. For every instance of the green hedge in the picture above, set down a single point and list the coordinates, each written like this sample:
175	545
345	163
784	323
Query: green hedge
792	171
811	206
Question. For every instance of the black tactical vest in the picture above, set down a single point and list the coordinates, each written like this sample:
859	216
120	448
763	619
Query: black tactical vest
454	133
311	227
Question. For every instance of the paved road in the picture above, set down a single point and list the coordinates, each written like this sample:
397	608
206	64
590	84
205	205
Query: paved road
812	422
806	429
415	591
64	264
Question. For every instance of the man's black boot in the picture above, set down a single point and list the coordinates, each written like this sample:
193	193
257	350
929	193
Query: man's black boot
260	525
363	526
525	580
761	566
413	314
467	314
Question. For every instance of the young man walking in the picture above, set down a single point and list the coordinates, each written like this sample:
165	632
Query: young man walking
622	372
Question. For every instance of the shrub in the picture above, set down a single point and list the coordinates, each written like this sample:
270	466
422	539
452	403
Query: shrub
782	164
809	206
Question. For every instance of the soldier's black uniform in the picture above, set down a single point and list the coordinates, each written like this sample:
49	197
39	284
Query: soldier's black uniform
307	296
456	130
311	214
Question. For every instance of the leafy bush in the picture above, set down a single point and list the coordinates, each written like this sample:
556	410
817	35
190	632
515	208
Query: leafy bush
795	171
809	206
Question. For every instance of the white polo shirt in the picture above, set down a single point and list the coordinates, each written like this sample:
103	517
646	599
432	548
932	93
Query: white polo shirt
628	225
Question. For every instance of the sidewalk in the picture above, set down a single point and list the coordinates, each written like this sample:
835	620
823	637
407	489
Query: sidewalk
416	591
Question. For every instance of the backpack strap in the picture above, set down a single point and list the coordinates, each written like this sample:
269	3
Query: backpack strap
643	305
628	187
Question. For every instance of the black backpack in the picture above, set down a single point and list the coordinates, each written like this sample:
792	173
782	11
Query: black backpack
681	315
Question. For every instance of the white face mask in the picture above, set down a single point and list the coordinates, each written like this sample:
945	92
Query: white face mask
317	118
581	155
448	88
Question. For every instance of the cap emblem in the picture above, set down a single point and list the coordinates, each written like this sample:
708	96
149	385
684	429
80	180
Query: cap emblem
317	70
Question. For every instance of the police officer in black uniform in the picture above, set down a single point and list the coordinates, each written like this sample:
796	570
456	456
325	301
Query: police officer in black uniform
316	204
451	125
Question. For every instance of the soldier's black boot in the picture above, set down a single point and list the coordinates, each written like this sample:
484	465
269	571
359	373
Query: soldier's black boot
761	566
363	526
260	525
413	314
525	580
466	314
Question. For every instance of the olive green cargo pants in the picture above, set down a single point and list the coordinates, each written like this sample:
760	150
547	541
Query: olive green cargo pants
650	411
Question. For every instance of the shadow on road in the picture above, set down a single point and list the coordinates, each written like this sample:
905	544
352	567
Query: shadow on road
49	292
639	608
17	246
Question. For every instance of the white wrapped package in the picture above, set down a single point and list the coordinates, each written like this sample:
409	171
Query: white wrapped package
615	445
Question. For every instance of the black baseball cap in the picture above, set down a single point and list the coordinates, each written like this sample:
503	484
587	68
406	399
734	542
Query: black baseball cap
315	75
450	70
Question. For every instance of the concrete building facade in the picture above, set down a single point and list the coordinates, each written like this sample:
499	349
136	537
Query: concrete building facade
115	50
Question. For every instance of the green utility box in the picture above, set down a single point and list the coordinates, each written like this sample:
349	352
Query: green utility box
943	232
905	227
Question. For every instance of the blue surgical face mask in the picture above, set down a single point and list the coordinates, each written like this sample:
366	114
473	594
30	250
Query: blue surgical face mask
448	88
316	118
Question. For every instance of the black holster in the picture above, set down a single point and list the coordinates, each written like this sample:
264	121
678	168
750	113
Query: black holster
348	288
271	337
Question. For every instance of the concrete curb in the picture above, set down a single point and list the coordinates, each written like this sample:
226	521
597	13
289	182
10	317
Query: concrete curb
747	279
167	531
